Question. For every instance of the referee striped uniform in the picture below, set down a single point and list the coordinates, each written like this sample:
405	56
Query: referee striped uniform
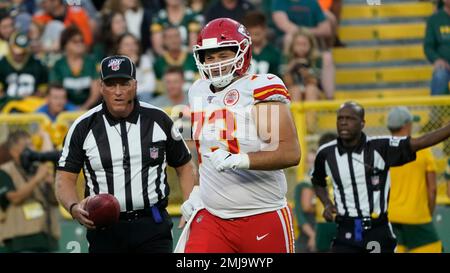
361	181
361	176
126	158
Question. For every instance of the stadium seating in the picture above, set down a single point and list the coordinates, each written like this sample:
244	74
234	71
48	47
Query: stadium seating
382	32
384	54
387	10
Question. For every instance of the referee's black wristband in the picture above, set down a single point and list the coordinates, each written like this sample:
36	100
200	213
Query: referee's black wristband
71	207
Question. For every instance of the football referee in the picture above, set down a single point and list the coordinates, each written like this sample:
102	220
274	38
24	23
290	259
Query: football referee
123	147
359	166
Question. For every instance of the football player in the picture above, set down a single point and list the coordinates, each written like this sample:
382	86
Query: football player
245	137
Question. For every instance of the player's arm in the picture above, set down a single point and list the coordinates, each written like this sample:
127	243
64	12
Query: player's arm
276	128
430	139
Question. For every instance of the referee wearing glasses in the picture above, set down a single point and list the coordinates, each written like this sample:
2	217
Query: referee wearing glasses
123	147
359	166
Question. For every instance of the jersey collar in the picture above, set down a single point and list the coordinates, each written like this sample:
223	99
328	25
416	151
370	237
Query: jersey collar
132	117
357	149
16	65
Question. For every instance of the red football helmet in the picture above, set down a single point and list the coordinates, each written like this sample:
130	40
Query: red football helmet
223	33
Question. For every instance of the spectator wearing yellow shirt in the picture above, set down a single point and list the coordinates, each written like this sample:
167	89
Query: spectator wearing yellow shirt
413	193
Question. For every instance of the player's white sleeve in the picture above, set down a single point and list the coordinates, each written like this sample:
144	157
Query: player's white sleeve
269	87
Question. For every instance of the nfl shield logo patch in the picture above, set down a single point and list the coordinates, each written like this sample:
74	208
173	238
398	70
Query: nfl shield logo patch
154	152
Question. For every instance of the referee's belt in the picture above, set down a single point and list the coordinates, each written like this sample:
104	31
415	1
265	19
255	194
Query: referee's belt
366	222
132	215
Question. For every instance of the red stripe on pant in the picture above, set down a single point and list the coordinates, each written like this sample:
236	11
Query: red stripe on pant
269	232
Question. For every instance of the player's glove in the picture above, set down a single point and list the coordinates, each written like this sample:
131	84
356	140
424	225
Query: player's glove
224	160
193	202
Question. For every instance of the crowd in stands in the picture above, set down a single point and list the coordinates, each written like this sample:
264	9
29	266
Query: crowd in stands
62	42
59	44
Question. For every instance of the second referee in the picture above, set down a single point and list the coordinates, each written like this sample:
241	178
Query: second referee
123	147
359	166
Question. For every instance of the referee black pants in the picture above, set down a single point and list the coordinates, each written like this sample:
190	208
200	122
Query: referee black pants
351	239
140	235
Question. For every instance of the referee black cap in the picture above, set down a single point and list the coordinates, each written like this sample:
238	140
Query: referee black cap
118	66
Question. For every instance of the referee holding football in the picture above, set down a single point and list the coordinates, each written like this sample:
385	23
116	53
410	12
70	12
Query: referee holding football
123	147
359	166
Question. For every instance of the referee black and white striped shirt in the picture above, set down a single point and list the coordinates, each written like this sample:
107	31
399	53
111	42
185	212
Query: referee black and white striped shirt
360	175
126	158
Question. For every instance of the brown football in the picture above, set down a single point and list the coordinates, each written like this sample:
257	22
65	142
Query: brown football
103	209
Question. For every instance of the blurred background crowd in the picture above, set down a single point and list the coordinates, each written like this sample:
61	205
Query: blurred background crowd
52	48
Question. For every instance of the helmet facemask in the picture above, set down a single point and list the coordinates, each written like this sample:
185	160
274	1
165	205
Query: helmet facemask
236	63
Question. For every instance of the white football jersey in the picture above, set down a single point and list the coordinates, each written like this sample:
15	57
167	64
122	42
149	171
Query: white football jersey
223	120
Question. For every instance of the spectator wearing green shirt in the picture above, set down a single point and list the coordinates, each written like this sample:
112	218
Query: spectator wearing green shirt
289	15
437	49
175	55
76	70
265	57
21	74
304	208
176	14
